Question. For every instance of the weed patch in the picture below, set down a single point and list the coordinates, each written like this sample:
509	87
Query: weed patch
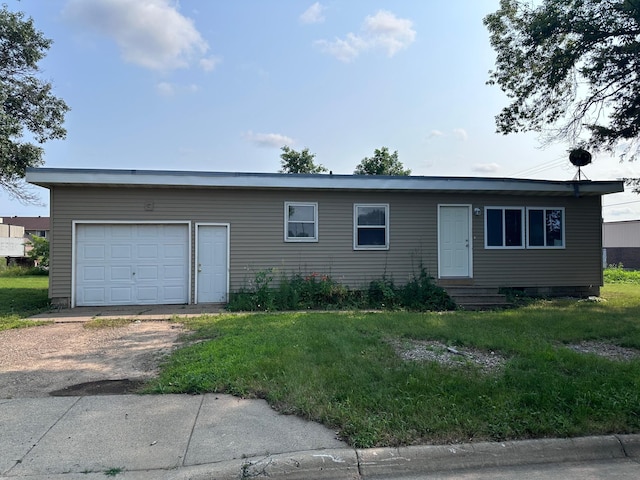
98	322
321	292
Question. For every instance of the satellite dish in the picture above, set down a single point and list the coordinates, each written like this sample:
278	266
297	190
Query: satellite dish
579	157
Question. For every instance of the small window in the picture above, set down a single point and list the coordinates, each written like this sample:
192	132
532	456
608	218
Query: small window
371	227
504	227
546	227
300	222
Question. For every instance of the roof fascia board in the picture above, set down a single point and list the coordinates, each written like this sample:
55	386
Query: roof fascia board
47	177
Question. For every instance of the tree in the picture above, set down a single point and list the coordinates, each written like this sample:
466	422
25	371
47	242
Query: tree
39	251
27	102
382	163
299	162
571	70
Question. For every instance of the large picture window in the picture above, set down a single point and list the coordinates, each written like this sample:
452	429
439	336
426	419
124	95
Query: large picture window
300	222
371	227
545	227
504	227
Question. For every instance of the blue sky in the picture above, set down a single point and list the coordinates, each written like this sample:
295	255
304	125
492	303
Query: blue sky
223	85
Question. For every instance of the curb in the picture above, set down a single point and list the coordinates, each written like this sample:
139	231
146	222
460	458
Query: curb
397	462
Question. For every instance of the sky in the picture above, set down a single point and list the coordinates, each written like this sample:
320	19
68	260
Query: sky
211	85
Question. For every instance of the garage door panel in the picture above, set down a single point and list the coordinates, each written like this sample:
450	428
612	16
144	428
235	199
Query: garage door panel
147	251
148	294
174	293
120	231
147	272
89	274
120	295
121	273
132	264
121	252
94	295
94	252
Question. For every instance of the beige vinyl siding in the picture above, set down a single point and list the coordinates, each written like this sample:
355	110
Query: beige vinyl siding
256	219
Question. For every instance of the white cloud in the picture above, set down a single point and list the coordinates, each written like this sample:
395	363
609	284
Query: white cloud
313	14
461	134
486	167
435	133
208	64
166	89
268	139
380	32
150	33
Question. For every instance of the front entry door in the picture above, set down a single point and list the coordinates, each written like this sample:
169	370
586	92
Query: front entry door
454	241
211	263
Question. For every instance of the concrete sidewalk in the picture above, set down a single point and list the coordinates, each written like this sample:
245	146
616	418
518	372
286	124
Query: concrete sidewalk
222	437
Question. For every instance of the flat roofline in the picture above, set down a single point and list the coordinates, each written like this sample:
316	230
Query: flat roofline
48	177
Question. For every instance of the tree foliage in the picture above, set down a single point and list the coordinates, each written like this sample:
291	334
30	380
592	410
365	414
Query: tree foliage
27	102
299	162
571	70
39	251
382	163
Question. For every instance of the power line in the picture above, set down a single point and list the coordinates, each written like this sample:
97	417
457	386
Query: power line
622	203
541	167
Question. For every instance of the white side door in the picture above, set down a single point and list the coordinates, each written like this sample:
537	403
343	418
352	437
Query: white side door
212	263
454	241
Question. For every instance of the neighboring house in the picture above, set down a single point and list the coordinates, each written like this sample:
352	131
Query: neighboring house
158	237
38	226
621	242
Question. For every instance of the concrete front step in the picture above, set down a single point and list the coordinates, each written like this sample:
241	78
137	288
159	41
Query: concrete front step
476	298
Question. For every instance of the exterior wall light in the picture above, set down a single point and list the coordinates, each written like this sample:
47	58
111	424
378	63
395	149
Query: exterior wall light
477	211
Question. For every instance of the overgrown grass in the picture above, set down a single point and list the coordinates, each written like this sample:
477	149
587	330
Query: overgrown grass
617	274
339	369
20	297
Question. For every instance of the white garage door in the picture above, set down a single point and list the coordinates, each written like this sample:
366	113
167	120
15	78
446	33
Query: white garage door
131	264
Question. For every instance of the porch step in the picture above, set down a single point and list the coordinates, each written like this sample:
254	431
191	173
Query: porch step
476	298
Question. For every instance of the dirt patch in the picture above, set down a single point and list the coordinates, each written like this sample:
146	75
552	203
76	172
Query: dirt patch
606	350
34	362
433	351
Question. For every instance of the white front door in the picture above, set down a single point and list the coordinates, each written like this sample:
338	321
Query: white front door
454	241
131	264
211	263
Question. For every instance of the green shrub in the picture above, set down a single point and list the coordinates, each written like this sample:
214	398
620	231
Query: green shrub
319	291
382	293
421	293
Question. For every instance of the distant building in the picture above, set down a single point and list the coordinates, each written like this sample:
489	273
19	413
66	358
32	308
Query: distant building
15	233
38	226
12	242
621	243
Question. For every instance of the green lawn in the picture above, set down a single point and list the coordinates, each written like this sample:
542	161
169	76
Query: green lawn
340	369
21	297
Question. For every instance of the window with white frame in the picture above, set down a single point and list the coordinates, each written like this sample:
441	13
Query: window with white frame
300	222
371	226
545	227
504	227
